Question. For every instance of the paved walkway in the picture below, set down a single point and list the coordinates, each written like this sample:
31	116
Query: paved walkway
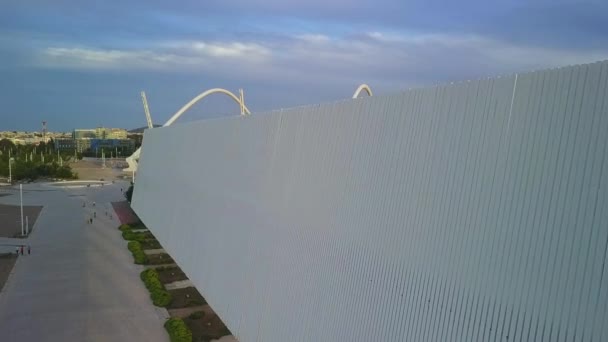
124	211
154	251
79	283
180	284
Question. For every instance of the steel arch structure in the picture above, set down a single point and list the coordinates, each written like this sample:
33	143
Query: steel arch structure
134	158
239	101
361	88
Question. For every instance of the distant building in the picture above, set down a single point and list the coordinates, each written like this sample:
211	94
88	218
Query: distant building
82	144
65	144
110	133
33	138
84	134
18	141
117	133
100	133
137	138
93	141
122	147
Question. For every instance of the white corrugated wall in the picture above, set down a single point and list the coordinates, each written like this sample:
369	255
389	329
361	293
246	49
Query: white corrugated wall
469	212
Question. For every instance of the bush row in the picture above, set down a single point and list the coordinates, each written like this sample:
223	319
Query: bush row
125	226
136	236
178	330
160	296
133	225
138	253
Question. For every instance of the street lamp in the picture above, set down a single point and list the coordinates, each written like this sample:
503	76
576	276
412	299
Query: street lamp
10	170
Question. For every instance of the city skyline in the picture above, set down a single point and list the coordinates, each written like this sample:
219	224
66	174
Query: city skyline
74	64
70	130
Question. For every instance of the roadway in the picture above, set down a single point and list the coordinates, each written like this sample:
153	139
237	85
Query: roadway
79	283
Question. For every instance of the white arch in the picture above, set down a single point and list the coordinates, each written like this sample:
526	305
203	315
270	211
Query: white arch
360	89
146	109
134	158
244	109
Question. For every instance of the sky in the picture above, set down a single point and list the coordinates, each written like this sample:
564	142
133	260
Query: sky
80	64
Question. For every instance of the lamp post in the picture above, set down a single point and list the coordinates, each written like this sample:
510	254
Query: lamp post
21	195
10	170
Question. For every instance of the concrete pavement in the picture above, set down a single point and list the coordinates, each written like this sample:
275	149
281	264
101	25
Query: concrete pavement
79	283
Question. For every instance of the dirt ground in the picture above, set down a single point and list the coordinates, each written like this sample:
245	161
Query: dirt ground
150	244
159	259
7	261
206	327
91	169
10	219
170	275
185	297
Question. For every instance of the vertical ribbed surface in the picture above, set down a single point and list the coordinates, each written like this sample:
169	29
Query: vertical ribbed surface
468	212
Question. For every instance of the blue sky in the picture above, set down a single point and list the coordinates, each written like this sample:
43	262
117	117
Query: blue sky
77	63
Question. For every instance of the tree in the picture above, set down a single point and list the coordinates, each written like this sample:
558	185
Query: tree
6	144
64	172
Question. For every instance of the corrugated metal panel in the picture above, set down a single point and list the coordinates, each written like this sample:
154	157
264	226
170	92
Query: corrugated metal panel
468	212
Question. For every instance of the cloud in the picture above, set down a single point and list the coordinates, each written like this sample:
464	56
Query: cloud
550	23
245	50
307	51
169	56
232	50
313	38
95	58
397	59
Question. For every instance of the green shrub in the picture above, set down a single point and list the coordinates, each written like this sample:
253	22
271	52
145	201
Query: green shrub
178	330
124	227
158	293
133	225
138	253
136	236
127	235
161	298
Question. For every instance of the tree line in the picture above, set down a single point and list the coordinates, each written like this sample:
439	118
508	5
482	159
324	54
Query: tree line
31	162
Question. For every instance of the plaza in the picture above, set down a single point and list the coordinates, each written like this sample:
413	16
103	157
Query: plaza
79	283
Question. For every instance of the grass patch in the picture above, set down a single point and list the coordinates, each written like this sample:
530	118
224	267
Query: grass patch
160	296
138	253
196	315
136	236
178	330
